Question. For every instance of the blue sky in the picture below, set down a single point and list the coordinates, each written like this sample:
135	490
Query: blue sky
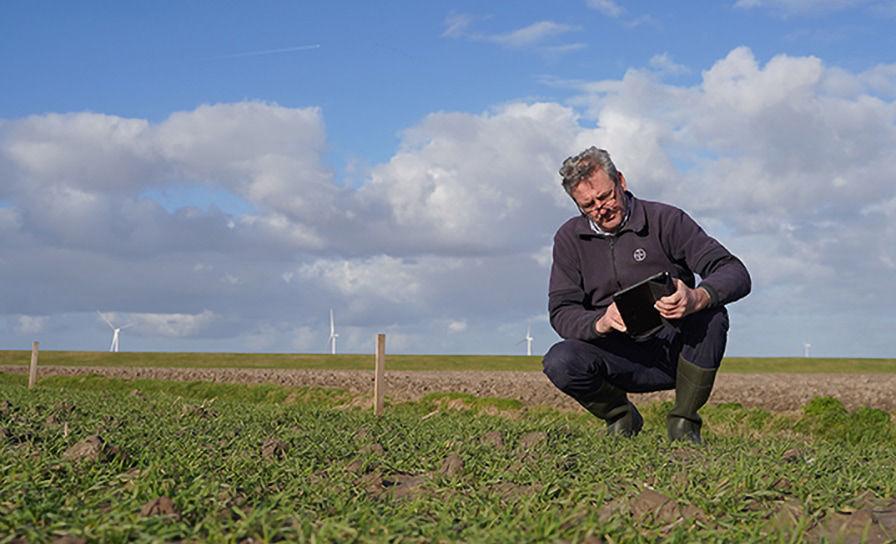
221	174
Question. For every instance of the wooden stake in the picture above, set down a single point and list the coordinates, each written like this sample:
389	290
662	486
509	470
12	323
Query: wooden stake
379	382
32	374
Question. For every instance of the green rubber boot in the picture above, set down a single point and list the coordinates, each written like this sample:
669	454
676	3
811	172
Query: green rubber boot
612	405
693	384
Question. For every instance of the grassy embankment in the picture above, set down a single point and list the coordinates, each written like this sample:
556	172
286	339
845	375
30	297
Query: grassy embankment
407	362
275	463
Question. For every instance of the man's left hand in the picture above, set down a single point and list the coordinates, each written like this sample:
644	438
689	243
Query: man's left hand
684	301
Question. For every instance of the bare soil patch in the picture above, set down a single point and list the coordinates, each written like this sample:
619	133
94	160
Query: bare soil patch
162	506
91	448
779	392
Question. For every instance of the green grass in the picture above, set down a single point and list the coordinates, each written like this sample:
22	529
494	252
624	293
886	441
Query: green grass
552	476
405	362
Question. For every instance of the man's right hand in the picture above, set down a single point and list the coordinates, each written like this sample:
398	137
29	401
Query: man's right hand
610	321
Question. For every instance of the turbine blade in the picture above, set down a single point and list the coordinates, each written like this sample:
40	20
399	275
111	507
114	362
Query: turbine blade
106	320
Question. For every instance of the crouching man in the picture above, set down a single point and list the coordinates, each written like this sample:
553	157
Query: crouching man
616	241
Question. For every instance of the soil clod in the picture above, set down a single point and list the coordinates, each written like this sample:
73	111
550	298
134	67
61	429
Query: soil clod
453	465
494	439
782	485
273	448
69	539
91	448
855	528
532	439
372	483
372	449
792	455
404	486
885	516
787	513
610	509
355	466
162	506
652	506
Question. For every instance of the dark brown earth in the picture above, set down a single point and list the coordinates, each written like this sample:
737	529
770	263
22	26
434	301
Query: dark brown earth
780	392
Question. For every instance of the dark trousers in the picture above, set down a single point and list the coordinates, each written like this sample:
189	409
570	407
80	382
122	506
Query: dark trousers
578	368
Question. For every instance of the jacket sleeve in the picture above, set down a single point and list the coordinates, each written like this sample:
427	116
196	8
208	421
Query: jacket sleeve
722	274
567	299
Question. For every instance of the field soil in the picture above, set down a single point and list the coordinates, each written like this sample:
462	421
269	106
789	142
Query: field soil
778	392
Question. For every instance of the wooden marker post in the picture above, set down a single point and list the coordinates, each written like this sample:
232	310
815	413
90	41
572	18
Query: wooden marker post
32	374
379	382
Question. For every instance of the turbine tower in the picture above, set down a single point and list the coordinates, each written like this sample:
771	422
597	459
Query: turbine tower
333	334
116	333
806	347
528	340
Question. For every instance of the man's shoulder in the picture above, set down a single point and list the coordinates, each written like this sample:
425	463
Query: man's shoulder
660	213
655	208
572	227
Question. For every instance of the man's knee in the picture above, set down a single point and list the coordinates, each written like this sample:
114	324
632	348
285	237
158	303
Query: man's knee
561	362
706	338
710	324
718	322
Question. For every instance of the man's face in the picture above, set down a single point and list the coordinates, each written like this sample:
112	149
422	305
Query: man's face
601	200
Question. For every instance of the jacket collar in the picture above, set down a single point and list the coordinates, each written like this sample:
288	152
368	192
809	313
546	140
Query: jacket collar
637	220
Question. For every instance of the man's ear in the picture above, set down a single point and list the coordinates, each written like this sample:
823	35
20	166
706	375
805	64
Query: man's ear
622	181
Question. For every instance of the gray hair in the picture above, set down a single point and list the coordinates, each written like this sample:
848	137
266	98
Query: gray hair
580	167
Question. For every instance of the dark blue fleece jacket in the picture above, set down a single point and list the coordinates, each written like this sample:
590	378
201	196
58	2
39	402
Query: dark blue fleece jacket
588	267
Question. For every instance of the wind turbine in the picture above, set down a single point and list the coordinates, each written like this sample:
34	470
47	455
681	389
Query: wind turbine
528	340
333	334
116	333
806	347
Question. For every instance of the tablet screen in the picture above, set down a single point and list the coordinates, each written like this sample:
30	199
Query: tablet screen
635	304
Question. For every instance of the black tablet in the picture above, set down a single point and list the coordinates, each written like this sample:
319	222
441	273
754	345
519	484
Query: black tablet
635	304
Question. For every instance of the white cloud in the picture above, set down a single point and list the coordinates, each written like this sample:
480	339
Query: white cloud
554	50
529	36
475	183
532	34
644	20
263	152
230	279
283	229
456	25
664	64
607	7
84	175
380	277
173	325
880	80
87	150
30	324
456	326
